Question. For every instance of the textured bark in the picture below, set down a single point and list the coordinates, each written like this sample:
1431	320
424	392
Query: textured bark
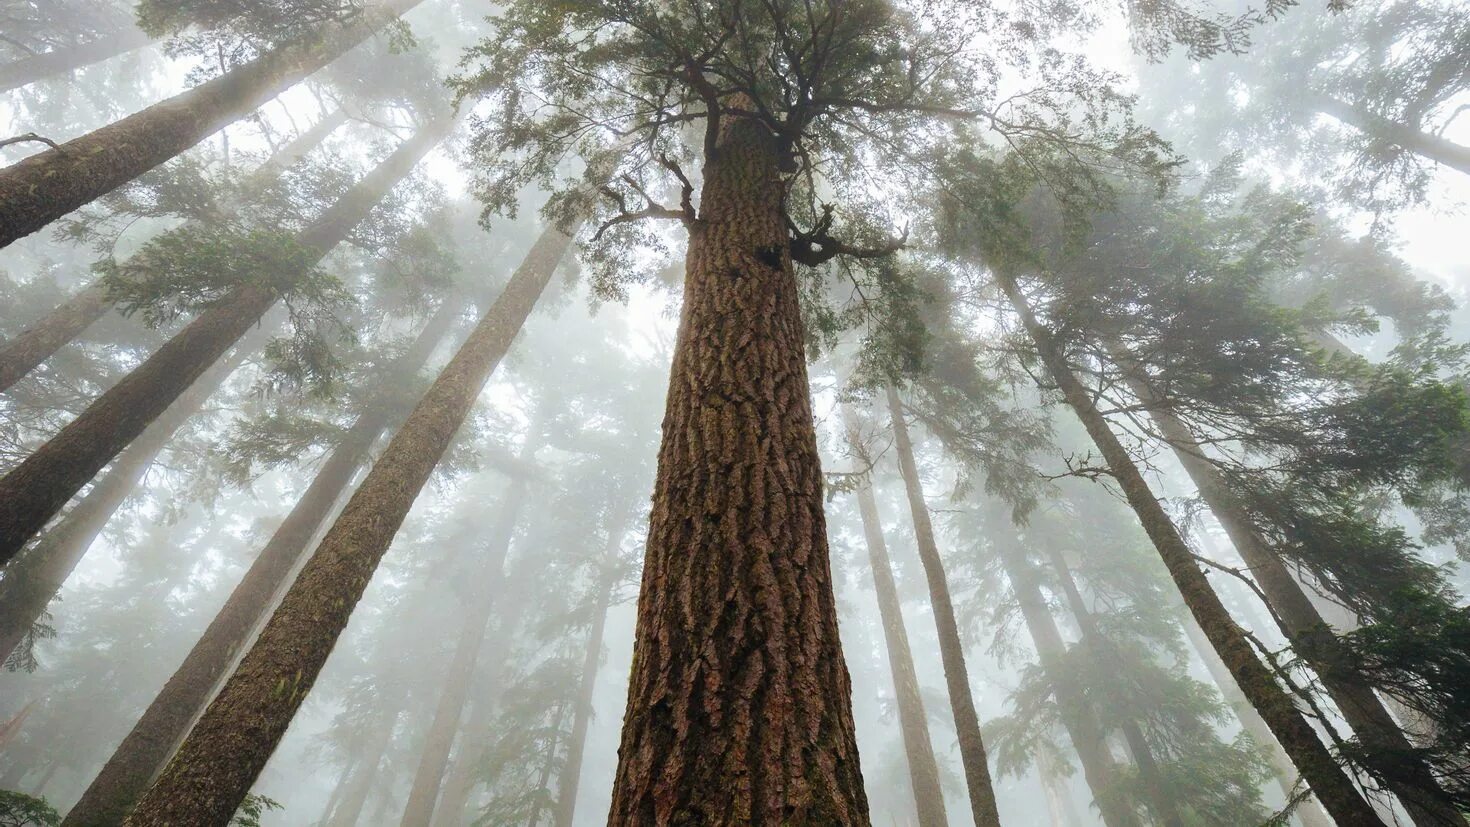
951	649
1424	144
423	792
1310	635
145	750
37	343
68	59
569	781
1336	792
50	184
1163	804
912	720
739	702
1086	733
34	579
226	750
1309	812
34	491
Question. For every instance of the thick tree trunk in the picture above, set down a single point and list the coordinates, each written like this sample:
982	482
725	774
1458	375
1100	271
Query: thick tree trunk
35	578
1086	733
913	722
1310	635
145	750
37	343
429	775
50	184
1424	144
32	493
1163	804
951	649
226	750
1333	788
68	59
739	702
569	781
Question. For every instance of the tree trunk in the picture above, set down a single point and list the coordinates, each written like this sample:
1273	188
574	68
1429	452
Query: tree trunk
1086	733
912	720
145	750
50	184
360	784
1310	635
571	775
226	750
32	493
1424	144
37	343
338	790
1333	788
951	649
544	781
33	580
739	702
429	775
1059	803
68	59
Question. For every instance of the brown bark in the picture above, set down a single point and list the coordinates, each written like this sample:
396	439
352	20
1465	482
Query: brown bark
34	491
1309	634
1160	801
37	343
739	702
34	579
951	649
1336	792
1424	144
1086	733
50	184
145	750
570	778
423	792
68	59
913	722
226	750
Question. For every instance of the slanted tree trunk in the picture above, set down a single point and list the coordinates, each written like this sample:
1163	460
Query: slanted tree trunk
360	783
145	750
1085	731
1165	809
68	59
1336	792
34	491
37	343
338	790
951	648
913	722
35	578
1424	144
226	750
1310	635
739	702
570	778
50	184
429	775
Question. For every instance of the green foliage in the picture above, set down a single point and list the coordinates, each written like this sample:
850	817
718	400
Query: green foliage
252	809
21	810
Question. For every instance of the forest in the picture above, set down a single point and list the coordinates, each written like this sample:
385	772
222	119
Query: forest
692	413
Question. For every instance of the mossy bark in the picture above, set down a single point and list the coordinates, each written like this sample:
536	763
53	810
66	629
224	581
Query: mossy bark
1333	787
68	59
215	767
1089	739
1310	635
912	719
50	184
739	702
34	491
1165	809
34	345
146	748
951	648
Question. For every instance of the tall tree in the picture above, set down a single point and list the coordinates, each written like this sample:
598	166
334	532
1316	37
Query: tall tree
65	59
50	184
